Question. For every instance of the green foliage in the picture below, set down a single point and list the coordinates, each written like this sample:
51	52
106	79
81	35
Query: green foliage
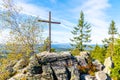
109	43
116	59
106	42
115	72
81	33
98	53
53	50
112	29
45	45
109	49
75	52
25	32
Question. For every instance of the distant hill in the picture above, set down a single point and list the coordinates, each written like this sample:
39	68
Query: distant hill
58	46
61	46
67	46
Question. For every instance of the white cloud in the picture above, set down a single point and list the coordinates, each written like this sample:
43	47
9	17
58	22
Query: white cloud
66	24
42	12
61	37
31	9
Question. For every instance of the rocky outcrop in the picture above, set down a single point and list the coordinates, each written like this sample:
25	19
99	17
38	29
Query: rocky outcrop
47	66
108	65
55	66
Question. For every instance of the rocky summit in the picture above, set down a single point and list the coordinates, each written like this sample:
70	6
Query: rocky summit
57	66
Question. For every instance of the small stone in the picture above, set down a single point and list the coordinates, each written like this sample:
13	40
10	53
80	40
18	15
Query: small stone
88	77
100	75
98	65
84	54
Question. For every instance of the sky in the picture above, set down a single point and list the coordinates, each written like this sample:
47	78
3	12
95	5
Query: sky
98	13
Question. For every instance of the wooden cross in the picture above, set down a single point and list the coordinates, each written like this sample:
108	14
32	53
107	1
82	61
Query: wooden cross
49	21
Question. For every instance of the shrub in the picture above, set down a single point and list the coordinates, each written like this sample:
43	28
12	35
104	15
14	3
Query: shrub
98	53
88	69
53	50
75	52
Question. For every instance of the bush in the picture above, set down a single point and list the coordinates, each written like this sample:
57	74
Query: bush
88	69
98	53
75	52
53	50
115	72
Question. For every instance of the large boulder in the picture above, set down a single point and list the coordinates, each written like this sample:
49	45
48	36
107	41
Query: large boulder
108	65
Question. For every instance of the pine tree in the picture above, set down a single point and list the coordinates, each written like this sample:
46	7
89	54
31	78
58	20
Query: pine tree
112	31
81	33
110	41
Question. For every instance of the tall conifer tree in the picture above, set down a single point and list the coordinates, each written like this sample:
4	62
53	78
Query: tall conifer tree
81	33
112	31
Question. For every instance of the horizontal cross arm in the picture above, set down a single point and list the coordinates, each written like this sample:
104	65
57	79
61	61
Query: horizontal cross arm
49	21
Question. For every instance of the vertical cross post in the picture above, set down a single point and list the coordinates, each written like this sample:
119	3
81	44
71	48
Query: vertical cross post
49	31
49	21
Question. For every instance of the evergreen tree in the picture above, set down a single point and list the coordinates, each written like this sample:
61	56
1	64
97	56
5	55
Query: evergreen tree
112	31
109	43
81	33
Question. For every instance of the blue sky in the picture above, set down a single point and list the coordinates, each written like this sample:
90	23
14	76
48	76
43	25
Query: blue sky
98	13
